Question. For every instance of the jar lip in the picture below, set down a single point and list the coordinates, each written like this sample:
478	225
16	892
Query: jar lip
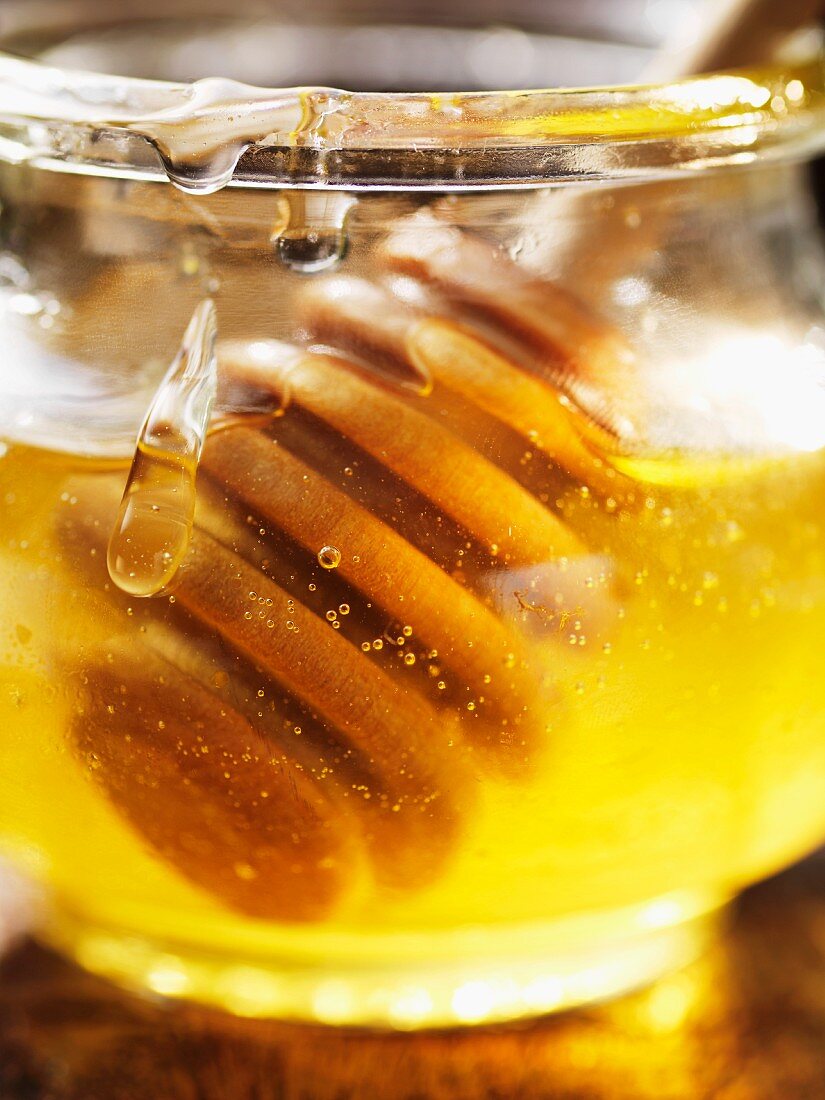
213	132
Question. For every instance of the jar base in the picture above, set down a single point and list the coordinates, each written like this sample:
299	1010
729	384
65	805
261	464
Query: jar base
469	977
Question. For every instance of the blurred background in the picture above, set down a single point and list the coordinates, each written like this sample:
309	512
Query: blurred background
525	43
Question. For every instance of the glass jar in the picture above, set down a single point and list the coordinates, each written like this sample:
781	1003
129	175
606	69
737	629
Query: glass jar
412	545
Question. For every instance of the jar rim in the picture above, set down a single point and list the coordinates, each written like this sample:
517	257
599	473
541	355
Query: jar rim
215	132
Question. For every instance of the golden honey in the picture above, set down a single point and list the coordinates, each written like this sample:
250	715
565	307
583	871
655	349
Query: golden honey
412	570
672	750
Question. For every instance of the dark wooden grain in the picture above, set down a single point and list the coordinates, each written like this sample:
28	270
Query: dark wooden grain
745	1023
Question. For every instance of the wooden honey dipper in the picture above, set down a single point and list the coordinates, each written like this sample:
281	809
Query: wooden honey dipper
371	725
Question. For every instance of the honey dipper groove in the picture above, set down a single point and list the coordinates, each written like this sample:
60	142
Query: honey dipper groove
581	353
489	504
371	323
484	653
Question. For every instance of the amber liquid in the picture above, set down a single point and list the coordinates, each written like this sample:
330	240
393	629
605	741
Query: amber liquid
433	690
673	745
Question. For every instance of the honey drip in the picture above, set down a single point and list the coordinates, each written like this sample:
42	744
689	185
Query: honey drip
154	524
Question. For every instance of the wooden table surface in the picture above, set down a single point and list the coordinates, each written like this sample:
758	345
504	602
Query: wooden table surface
747	1022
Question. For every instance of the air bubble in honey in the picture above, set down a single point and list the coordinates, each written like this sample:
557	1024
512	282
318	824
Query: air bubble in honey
329	557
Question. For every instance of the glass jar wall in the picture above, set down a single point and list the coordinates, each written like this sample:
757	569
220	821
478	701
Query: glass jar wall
412	581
